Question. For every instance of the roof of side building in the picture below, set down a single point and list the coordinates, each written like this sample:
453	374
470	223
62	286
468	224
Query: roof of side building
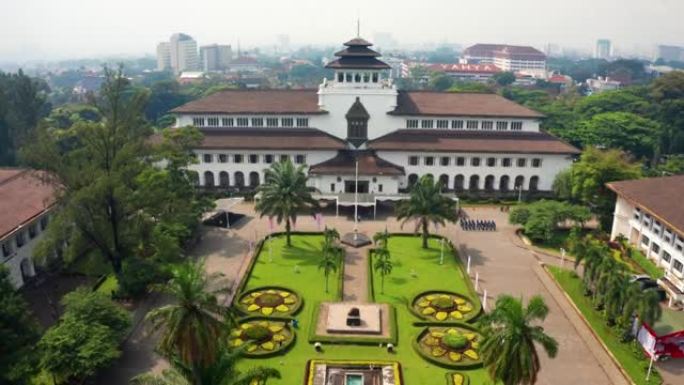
23	196
460	104
660	196
303	102
266	139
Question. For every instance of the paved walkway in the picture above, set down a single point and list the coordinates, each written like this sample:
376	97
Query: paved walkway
356	274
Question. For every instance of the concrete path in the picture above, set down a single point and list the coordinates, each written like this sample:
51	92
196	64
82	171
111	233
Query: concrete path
356	274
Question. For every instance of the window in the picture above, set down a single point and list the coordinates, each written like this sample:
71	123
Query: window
6	249
223	158
212	122
199	122
655	247
487	125
300	159
375	77
227	122
237	158
491	162
677	265
257	122
637	214
475	162
516	126
645	240
441	123
287	122
457	124
20	239
253	158
444	161
268	158
412	123
348	77
32	230
413	160
271	122
460	161
429	160
207	158
426	123
44	222
502	126
302	122
332	187
242	122
380	188
340	77
522	162
471	124
506	162
366	77
666	256
357	78
536	162
668	236
284	158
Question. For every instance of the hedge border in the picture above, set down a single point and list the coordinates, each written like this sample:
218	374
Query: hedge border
243	309
278	352
355	340
432	360
450	379
396	365
477	307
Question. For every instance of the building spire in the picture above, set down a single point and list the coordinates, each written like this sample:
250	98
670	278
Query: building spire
358	27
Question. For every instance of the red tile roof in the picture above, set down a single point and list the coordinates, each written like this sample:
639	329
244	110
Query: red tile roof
659	196
472	141
255	102
460	104
268	139
23	196
516	52
465	68
345	164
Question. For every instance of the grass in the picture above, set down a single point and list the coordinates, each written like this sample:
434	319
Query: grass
648	266
400	287
634	364
91	264
109	285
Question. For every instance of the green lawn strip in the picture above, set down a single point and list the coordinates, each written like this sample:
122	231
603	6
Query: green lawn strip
648	266
109	285
634	366
414	271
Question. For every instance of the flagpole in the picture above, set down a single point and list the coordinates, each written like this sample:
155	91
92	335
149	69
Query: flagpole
356	199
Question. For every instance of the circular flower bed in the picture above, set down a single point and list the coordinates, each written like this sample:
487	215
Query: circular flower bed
444	306
453	346
262	337
276	301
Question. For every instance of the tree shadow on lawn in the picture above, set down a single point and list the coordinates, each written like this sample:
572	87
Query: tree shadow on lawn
303	257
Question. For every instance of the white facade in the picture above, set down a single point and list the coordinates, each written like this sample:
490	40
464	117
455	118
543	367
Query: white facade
17	248
658	242
163	56
604	49
183	49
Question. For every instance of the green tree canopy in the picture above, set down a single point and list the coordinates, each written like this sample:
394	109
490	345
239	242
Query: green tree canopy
668	96
542	218
93	307
504	78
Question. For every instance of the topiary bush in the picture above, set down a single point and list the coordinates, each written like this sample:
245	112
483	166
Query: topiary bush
455	341
450	346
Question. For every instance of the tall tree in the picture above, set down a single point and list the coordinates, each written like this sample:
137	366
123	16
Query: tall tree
192	328
18	333
383	265
427	205
331	254
284	194
643	303
668	96
509	348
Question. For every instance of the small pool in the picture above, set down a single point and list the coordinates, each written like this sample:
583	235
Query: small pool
353	379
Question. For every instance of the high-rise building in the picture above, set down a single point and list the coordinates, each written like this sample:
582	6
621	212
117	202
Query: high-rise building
163	56
215	57
670	53
604	49
183	53
523	59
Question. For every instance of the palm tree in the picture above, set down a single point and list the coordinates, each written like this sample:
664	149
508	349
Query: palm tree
644	303
331	256
284	194
221	372
193	327
382	238
427	205
331	235
509	348
382	264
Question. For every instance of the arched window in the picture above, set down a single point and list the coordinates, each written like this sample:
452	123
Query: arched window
253	179
224	179
458	182
412	180
519	182
239	179
357	123
534	183
209	179
489	183
444	181
504	183
474	184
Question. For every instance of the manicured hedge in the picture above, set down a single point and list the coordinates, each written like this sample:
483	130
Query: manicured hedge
345	339
243	309
467	317
289	344
433	360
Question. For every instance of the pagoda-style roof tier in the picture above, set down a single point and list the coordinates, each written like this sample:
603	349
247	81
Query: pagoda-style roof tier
357	55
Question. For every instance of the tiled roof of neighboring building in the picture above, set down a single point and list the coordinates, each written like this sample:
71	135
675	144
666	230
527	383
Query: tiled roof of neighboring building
345	163
23	196
472	141
465	68
660	196
268	139
459	104
255	102
506	51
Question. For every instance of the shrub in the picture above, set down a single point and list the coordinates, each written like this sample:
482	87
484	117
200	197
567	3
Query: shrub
257	333
137	274
455	341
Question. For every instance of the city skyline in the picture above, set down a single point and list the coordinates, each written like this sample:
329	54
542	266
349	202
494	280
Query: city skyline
41	30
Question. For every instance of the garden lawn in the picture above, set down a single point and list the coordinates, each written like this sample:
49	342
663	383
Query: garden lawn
648	266
309	283
633	365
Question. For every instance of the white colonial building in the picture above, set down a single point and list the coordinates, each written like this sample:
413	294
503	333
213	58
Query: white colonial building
474	143
25	206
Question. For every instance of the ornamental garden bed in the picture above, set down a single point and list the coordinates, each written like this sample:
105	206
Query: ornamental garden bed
444	306
457	378
454	346
269	300
262	337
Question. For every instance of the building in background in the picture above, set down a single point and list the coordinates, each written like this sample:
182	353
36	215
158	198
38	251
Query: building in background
601	84
523	59
164	56
604	49
468	72
215	57
183	53
669	53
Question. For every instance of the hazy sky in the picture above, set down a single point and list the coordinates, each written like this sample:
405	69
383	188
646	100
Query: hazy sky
57	29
